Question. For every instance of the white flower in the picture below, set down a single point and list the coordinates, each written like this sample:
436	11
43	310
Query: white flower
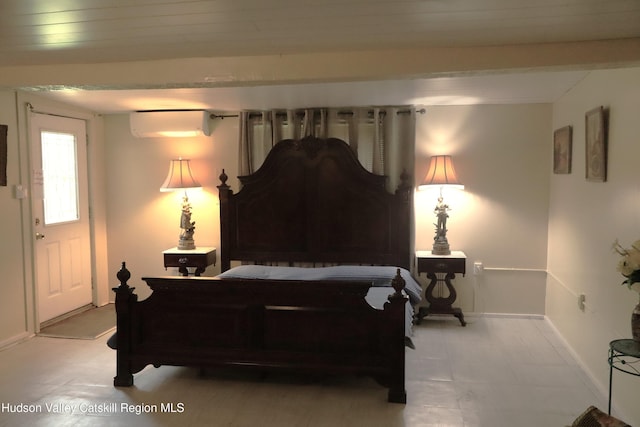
629	264
626	267
634	252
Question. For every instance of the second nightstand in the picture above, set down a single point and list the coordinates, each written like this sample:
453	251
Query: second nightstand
440	269
200	258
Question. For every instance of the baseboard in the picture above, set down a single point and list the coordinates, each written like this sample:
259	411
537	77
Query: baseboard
507	315
17	339
601	389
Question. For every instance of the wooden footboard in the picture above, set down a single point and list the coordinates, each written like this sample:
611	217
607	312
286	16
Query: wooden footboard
314	327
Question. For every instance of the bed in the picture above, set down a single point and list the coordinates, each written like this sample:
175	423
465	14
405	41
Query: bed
320	280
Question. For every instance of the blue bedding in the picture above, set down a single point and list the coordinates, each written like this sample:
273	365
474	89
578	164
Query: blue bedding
379	276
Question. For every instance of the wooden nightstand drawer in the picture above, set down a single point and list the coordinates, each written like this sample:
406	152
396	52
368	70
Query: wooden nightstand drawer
442	265
200	258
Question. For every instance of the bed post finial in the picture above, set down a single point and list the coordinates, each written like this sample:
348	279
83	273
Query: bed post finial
123	275
124	290
223	179
398	282
405	187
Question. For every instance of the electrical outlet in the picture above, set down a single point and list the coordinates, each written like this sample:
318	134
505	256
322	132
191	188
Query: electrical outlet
581	299
19	192
478	268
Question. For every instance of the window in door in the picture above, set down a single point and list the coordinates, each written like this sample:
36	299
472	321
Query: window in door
60	177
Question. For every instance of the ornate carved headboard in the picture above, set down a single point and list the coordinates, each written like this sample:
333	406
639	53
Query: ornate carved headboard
312	201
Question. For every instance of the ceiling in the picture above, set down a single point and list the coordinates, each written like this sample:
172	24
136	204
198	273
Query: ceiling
513	88
38	35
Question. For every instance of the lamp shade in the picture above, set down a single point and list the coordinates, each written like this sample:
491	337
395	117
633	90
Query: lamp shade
179	177
441	172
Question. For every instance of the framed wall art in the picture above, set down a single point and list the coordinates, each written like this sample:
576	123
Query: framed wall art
562	149
3	155
596	145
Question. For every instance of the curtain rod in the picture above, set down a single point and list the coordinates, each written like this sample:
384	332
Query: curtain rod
33	110
339	113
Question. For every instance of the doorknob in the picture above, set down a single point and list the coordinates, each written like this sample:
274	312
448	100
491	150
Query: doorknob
39	236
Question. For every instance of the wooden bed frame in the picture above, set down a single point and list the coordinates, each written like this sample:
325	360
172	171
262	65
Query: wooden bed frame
310	202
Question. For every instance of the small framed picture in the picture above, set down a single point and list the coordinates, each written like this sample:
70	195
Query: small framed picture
3	155
596	145
562	148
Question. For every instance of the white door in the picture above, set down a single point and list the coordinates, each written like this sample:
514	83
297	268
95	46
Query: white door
60	214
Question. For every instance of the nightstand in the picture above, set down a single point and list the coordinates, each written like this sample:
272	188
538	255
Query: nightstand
440	292
200	258
624	356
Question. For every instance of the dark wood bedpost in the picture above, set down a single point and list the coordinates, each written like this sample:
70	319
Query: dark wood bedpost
125	298
224	192
396	308
405	220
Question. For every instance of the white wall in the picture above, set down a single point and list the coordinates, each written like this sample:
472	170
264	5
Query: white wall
502	156
585	218
13	302
143	221
18	317
501	152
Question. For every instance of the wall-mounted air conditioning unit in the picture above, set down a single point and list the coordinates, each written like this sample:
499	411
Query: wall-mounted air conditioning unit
150	124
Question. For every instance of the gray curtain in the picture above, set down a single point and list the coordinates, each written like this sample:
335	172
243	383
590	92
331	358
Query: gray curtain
382	138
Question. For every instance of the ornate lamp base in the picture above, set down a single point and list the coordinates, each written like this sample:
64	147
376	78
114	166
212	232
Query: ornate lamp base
441	247
440	242
186	244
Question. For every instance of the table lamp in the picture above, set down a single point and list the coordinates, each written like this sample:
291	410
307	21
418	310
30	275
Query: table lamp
441	173
181	178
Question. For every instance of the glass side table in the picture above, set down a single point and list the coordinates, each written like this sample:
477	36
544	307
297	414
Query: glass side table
623	356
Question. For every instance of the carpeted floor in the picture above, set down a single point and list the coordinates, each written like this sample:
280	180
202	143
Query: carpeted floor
87	325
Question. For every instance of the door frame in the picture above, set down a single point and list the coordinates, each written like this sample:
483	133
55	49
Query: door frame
66	250
26	104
